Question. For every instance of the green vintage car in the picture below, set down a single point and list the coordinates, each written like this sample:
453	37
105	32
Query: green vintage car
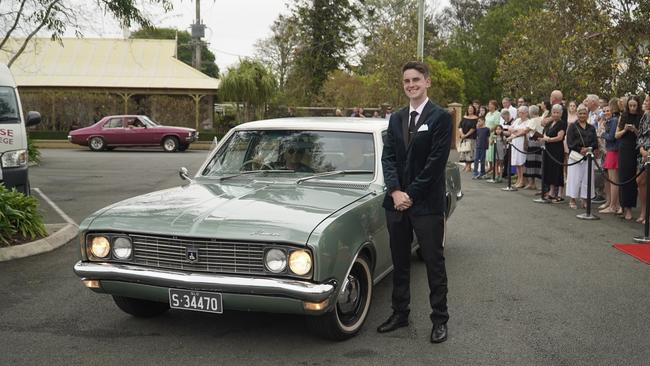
284	216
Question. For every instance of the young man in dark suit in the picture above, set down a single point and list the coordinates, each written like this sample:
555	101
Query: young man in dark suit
414	160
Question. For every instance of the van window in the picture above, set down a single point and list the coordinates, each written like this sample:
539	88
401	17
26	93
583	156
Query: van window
8	105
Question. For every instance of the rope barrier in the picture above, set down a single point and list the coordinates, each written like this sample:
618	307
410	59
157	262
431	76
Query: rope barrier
528	152
590	159
602	171
562	163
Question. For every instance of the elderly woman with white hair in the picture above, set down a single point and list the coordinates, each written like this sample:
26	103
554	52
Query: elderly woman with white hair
534	157
517	138
581	138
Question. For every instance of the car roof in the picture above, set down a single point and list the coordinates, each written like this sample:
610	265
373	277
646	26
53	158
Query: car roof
125	115
318	123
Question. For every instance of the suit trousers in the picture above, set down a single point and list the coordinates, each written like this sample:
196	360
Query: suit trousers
430	232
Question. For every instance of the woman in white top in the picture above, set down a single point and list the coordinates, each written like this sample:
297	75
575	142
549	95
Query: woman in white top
517	138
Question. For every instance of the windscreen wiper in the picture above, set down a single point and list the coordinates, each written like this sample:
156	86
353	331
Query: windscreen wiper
8	118
334	172
264	171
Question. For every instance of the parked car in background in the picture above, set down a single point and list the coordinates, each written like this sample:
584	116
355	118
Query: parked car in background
132	131
283	216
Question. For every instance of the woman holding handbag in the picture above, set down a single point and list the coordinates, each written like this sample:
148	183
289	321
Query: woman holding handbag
581	138
467	134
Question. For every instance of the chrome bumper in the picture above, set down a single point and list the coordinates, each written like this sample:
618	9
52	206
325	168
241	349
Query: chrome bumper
301	290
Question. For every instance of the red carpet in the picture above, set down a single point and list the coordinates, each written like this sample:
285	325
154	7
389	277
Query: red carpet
638	251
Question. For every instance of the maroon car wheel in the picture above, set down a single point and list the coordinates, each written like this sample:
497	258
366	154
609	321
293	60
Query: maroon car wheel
96	144
170	144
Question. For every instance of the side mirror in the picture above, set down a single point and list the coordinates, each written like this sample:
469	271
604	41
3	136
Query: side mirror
184	174
33	118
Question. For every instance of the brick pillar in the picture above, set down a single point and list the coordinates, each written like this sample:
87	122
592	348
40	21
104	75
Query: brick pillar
456	110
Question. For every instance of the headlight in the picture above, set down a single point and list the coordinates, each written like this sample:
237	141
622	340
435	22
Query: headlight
122	248
300	262
100	247
275	260
15	158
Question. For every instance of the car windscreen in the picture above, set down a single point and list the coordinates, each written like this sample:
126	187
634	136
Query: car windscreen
8	105
299	151
148	121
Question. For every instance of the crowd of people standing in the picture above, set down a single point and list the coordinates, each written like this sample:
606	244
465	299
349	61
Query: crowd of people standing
551	140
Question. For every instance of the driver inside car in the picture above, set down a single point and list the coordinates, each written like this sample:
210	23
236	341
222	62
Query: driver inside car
294	157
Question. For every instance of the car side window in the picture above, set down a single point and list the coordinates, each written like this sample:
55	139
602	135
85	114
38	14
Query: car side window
134	123
114	123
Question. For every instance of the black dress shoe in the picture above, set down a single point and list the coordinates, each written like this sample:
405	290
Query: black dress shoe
439	333
394	322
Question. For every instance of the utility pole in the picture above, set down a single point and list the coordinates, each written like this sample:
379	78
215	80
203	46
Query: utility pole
198	32
421	30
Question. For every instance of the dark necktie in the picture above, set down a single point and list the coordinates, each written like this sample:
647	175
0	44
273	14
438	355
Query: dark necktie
414	114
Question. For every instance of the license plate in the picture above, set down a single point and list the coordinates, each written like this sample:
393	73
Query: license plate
209	302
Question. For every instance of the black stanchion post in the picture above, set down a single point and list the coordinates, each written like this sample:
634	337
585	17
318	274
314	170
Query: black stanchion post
587	215
542	199
509	188
494	164
645	239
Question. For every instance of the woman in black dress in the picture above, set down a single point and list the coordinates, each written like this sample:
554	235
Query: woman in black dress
626	133
554	141
467	134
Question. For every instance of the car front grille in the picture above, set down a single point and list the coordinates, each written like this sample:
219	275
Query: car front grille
216	256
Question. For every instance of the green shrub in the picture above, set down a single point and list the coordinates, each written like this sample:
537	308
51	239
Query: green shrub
32	150
19	217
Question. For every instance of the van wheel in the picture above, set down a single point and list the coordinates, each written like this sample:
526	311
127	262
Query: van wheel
96	144
170	144
140	308
352	305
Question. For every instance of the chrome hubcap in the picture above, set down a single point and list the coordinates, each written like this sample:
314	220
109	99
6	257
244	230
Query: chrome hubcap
349	297
96	143
170	145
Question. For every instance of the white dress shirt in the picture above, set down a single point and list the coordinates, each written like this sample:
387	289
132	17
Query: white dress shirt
418	109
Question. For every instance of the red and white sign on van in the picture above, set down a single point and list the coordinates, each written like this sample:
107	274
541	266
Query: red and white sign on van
6	136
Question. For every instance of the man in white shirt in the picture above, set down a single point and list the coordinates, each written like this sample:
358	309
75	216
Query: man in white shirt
507	105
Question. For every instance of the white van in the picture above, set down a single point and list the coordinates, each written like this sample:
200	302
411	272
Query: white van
13	137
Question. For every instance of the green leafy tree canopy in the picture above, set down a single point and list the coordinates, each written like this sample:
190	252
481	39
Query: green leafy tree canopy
184	47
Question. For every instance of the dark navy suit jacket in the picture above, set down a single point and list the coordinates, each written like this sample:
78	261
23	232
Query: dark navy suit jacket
418	167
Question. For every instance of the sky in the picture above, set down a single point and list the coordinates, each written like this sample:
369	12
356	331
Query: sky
232	26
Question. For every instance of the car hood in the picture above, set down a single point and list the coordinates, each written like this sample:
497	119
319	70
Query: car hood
174	128
254	211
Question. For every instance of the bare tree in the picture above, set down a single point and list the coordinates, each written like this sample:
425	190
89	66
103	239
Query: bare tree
277	51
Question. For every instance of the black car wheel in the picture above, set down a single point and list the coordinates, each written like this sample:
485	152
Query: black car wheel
96	144
183	147
170	144
140	308
352	306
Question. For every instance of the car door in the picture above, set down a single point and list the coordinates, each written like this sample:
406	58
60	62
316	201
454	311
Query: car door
137	133
113	131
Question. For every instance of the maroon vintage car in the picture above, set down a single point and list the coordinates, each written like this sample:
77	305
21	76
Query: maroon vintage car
132	130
